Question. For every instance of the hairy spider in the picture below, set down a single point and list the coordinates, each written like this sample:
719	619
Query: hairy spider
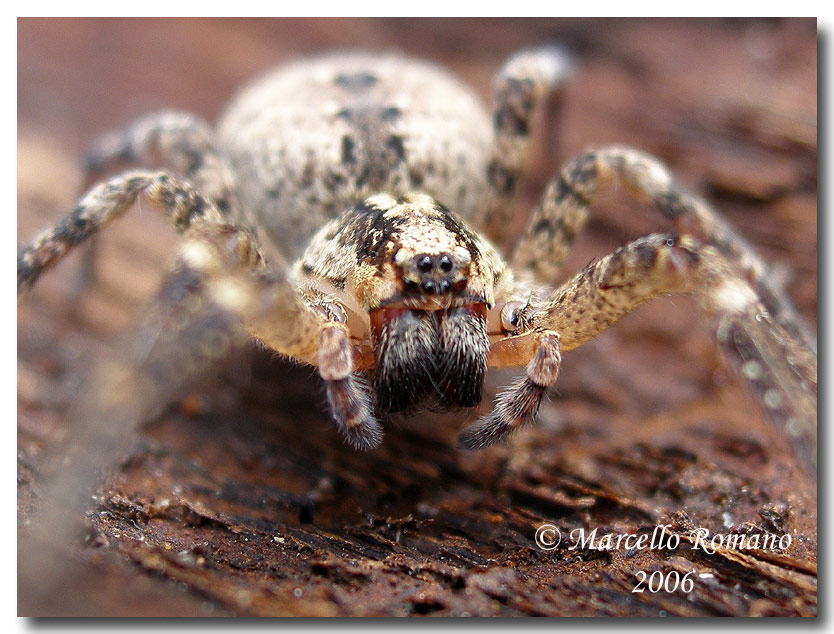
390	186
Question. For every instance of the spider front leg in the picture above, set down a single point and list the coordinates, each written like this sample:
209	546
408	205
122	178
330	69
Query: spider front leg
780	372
585	306
348	397
565	208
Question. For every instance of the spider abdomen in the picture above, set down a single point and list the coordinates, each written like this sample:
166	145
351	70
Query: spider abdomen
316	136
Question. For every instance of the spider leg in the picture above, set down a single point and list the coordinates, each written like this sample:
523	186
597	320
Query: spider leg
103	204
176	140
780	371
578	311
348	396
292	328
168	139
519	404
603	292
564	209
528	79
781	374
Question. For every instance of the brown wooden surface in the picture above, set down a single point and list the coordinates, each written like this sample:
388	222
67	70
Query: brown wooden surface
241	499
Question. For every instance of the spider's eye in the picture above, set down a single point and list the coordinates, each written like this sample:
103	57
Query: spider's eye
509	315
425	264
445	263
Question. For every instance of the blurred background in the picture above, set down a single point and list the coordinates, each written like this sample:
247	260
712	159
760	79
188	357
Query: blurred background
729	104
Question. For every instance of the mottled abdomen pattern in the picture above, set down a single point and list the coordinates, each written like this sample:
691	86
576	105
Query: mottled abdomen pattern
353	125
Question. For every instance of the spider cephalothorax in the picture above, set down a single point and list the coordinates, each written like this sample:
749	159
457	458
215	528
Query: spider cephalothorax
420	284
380	176
408	252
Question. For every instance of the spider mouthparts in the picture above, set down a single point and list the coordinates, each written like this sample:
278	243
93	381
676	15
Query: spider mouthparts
421	355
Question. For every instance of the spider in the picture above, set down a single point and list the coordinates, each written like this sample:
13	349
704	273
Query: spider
389	186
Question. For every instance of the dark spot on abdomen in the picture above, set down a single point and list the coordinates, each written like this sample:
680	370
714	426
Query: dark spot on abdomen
395	144
390	113
364	115
356	82
416	177
348	150
501	179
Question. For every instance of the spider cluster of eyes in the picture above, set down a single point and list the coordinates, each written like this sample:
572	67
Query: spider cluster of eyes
427	264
